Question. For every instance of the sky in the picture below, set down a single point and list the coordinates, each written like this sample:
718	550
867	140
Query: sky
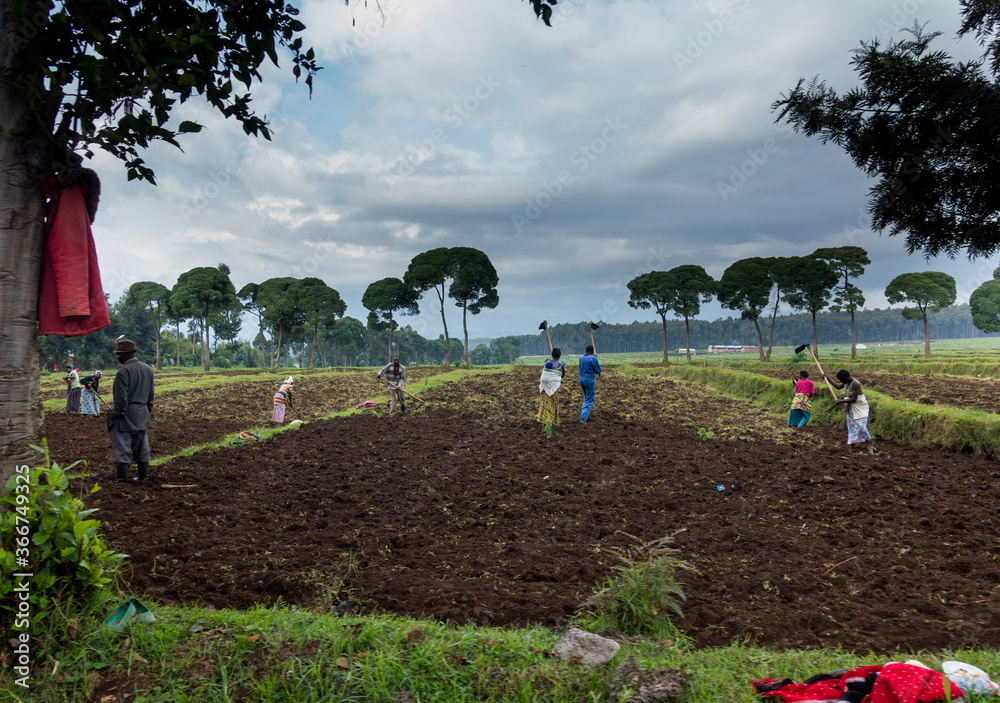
631	136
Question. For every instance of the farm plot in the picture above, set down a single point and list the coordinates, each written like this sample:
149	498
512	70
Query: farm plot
187	418
956	391
464	511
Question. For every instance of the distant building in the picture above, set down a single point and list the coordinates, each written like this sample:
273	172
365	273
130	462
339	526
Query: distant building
731	349
685	351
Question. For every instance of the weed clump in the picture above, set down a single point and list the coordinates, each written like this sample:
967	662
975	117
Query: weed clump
641	599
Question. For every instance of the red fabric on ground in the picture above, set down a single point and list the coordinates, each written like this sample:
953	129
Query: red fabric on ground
71	298
905	683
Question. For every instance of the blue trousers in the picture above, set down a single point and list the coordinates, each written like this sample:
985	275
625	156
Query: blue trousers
587	384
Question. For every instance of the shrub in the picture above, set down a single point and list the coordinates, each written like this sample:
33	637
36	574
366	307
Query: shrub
70	566
642	597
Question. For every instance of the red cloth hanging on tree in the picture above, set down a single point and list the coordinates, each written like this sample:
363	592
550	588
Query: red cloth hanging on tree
70	297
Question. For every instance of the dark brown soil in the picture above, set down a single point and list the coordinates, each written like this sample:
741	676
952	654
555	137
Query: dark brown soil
464	511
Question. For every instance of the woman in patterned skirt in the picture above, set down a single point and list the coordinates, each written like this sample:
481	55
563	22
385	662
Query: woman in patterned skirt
548	389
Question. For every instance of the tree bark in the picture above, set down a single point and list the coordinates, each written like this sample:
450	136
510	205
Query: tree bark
159	364
774	317
927	337
815	336
465	329
312	356
666	357
390	338
24	157
206	359
760	338
687	338
178	343
447	342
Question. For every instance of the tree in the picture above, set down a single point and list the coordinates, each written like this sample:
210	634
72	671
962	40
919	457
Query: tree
474	287
348	340
746	287
692	287
925	126
928	290
386	298
248	297
322	306
152	296
200	293
278	299
654	290
105	74
985	304
808	287
431	270
848	262
480	356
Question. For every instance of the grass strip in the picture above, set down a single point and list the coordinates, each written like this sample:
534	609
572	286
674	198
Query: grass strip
915	424
285	653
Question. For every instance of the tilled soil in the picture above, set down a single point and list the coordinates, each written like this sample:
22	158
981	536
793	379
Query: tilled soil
464	511
181	419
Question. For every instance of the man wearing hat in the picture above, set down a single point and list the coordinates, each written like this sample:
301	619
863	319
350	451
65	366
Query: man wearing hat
395	373
129	420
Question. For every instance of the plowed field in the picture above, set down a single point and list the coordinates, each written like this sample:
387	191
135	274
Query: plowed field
464	511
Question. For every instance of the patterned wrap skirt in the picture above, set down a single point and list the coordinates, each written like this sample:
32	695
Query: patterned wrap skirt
548	408
279	413
89	402
73	400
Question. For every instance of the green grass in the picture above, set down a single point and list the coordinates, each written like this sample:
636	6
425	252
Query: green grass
290	654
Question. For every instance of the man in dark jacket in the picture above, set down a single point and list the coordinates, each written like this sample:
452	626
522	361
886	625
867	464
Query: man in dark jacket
128	422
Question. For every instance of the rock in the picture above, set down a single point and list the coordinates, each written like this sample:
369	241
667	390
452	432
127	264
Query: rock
646	686
586	648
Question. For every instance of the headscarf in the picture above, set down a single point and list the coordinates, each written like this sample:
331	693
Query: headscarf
288	380
98	374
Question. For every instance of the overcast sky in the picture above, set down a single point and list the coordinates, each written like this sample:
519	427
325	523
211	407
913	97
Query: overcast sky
631	136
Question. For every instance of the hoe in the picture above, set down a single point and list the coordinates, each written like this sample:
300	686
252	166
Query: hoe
798	350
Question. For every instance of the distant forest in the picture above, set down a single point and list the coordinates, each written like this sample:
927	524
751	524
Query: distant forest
834	328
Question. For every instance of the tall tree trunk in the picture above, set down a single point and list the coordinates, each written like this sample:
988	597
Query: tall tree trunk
854	339
666	356
774	317
277	350
927	338
447	342
760	338
159	363
815	337
206	359
263	354
687	338
312	356
390	339
465	329
178	342
22	233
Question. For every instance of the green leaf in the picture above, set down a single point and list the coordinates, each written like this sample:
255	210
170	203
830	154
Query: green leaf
188	126
187	79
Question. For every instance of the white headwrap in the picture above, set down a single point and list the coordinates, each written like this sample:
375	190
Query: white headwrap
288	380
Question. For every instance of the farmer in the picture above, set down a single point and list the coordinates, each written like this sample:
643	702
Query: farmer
589	369
395	374
857	409
129	420
802	402
72	379
548	404
281	398
90	403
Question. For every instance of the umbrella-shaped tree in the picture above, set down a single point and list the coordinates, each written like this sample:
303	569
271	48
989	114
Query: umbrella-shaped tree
746	287
654	290
322	306
927	290
474	287
154	297
200	292
385	299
